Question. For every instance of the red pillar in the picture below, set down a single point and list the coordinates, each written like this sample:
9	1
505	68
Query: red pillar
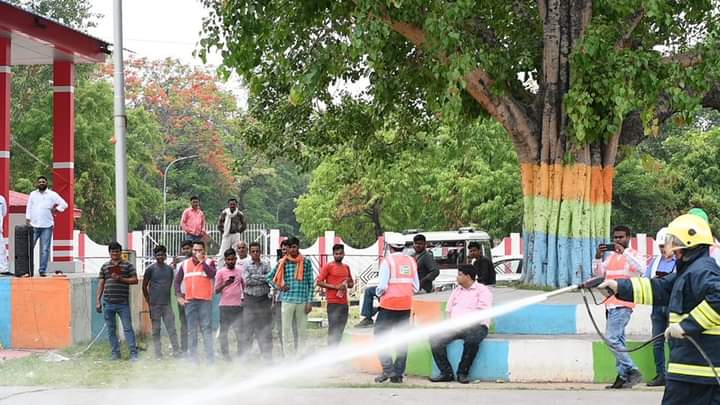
64	157
5	126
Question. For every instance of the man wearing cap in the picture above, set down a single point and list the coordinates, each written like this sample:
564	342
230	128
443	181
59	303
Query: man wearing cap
397	281
692	295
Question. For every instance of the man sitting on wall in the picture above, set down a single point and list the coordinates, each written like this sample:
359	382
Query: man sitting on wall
467	297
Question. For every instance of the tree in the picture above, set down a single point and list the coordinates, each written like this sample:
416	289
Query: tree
469	176
568	80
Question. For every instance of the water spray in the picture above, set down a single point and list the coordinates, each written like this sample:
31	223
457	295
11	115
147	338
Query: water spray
344	353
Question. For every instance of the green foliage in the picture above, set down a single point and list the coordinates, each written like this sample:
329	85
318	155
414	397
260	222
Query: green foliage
468	176
650	192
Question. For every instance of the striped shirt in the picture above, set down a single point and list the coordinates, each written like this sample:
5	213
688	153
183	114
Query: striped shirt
256	283
116	292
301	291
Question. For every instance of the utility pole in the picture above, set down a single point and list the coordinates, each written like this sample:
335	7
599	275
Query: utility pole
121	195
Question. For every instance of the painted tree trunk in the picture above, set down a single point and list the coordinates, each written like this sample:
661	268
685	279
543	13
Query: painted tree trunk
566	215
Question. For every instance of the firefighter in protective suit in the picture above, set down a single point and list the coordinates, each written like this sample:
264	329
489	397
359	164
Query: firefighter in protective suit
692	295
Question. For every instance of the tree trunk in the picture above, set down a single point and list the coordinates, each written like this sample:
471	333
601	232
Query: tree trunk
566	215
567	188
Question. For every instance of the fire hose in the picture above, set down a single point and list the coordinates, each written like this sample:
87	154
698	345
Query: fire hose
587	286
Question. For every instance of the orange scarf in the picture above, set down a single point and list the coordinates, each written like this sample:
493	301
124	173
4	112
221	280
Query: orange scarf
279	279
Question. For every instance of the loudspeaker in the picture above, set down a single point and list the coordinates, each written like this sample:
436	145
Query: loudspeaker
24	251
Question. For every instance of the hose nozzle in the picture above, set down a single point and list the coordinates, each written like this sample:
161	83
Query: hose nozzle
591	283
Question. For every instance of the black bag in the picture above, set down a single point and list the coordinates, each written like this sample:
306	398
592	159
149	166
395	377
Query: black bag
24	250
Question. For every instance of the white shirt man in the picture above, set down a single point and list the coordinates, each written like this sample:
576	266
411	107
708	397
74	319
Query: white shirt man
41	206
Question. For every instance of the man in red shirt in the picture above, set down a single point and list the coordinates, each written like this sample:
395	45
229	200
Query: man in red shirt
336	278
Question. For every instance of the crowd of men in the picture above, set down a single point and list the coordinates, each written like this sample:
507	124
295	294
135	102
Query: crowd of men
682	284
255	296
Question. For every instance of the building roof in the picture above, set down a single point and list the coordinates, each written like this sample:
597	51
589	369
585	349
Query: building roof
18	203
39	40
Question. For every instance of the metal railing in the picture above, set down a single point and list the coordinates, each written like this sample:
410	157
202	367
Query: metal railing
172	237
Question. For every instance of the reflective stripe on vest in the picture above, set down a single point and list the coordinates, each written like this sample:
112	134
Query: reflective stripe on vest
690	369
677	318
618	268
398	295
197	284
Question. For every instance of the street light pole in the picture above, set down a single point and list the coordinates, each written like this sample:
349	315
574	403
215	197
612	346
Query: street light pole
121	198
165	172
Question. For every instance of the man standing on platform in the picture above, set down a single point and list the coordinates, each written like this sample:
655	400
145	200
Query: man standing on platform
42	205
231	225
193	220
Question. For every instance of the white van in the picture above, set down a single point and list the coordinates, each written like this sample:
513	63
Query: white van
449	248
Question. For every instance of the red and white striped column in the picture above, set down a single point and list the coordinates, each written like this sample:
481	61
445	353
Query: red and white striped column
5	81
64	157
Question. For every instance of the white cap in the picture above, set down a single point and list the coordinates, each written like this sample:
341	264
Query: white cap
660	237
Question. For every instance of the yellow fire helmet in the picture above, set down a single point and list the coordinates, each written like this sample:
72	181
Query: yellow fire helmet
687	231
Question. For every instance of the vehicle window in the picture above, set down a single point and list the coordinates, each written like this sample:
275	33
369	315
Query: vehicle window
511	266
447	254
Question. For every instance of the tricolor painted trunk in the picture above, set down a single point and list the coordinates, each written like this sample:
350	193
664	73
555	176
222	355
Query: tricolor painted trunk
566	215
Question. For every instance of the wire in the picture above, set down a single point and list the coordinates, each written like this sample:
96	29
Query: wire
605	339
656	337
705	356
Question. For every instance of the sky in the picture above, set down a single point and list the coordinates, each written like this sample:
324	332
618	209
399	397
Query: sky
158	29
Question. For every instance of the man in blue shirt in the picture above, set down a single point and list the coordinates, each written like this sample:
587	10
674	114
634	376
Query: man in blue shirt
661	266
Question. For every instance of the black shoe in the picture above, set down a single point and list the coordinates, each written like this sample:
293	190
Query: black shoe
463	379
43	274
365	323
619	382
442	378
658	381
396	379
382	378
633	378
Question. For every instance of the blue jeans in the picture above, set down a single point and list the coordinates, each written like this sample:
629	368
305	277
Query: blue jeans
193	238
617	320
45	236
659	318
123	310
368	311
199	316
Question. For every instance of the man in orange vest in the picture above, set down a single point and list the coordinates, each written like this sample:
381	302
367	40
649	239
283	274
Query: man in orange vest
621	262
198	274
398	280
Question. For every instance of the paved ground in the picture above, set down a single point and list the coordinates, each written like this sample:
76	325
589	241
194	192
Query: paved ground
347	396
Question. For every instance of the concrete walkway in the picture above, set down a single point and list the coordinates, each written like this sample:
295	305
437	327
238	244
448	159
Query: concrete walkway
314	396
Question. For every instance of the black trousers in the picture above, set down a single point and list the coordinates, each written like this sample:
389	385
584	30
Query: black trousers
231	318
684	393
388	320
471	336
183	328
337	318
257	323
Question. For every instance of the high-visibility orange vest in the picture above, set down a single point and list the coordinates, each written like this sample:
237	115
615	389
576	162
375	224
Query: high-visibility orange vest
618	268
197	284
403	271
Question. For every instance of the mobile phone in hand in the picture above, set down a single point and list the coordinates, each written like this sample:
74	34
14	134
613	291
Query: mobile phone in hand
232	279
609	246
